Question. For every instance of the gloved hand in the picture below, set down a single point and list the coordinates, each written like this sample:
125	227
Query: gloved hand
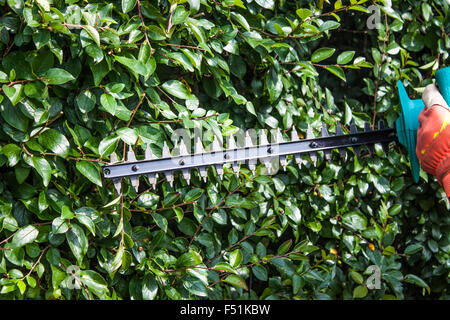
433	137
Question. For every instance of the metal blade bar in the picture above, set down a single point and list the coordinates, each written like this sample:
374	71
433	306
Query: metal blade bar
244	154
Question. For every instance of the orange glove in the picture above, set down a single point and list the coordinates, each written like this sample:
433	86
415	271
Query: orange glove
433	137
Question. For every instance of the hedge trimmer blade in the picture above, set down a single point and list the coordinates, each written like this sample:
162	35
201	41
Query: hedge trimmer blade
249	153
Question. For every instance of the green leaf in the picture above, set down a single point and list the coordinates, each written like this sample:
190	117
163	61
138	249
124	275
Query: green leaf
93	33
413	248
16	5
24	236
59	225
411	278
179	15
236	258
108	145
44	4
322	54
357	277
413	42
55	141
90	171
193	195
57	76
14	93
360	292
303	13
177	89
148	200
43	168
274	84
160	221
260	272
133	64
355	220
149	287
241	20
267	4
224	266
345	57
284	247
95	282
128	5
337	71
77	241
236	281
109	103
12	152
86	101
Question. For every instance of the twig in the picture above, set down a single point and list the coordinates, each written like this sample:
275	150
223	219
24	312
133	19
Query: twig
143	23
135	109
36	263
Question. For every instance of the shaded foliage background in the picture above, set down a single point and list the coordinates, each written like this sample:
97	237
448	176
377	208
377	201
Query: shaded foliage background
83	79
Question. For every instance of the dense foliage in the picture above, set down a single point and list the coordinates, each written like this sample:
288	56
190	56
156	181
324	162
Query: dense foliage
83	79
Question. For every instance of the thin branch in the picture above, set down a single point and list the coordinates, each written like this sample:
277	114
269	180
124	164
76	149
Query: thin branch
36	263
143	23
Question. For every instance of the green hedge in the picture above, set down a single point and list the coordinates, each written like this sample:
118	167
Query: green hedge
83	79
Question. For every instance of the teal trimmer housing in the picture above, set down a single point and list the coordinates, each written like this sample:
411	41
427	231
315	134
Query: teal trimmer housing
408	122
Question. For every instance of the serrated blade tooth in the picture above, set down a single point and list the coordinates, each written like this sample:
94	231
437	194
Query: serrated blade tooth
384	145
248	140
263	141
339	132
152	177
199	149
231	145
312	154
131	157
117	181
165	151
216	147
203	173
279	139
199	146
187	175
183	148
248	144
368	128
113	158
279	136
353	130
169	177
326	152
148	153
263	138
294	137
216	144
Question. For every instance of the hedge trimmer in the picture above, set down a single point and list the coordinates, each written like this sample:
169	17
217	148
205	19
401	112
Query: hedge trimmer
249	152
